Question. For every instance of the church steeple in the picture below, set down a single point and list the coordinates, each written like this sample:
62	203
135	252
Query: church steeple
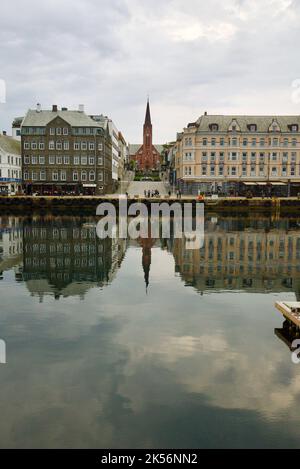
148	116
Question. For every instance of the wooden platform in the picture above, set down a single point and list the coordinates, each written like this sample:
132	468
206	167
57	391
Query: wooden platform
290	310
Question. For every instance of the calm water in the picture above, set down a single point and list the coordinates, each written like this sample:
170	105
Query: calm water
146	344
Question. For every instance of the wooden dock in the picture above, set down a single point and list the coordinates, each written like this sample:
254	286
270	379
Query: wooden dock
290	310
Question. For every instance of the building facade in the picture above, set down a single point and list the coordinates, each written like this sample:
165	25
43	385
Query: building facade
108	123
123	149
146	156
234	154
10	165
65	152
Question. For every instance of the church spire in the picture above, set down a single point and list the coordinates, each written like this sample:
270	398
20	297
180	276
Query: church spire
148	116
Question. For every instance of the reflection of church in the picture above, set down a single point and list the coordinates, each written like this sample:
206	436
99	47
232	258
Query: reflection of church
147	244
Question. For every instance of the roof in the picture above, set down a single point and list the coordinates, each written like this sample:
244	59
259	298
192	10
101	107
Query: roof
35	118
263	122
148	116
134	148
10	145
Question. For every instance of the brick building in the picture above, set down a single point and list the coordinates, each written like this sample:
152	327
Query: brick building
65	152
147	156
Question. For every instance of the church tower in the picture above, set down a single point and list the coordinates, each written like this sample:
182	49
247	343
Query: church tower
147	140
147	157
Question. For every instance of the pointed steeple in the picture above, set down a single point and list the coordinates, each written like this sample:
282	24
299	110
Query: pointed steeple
148	116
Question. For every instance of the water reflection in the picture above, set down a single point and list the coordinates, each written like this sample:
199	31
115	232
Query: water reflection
168	369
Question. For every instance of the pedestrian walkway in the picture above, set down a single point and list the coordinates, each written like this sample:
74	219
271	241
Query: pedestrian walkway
139	187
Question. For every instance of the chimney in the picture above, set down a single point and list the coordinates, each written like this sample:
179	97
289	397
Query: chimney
81	108
64	108
4	132
205	113
54	108
38	107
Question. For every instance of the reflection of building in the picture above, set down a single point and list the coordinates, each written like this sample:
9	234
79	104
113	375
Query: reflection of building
11	242
64	256
147	156
235	256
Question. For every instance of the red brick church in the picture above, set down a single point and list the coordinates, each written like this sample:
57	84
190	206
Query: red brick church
147	156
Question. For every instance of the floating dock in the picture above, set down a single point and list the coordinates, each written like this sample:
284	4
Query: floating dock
290	310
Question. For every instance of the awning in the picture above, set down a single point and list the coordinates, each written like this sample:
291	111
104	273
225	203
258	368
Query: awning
278	183
249	183
89	185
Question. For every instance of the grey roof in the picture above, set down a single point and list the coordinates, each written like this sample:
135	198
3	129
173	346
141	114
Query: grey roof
17	121
10	145
34	118
263	122
134	148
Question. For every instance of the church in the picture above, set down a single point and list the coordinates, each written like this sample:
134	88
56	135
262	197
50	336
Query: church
147	155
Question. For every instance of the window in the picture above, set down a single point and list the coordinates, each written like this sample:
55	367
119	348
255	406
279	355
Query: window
91	146
83	146
92	175
188	171
76	146
285	157
26	146
59	160
252	127
76	160
66	160
26	159
222	142
245	142
100	161
52	131
294	142
212	170
66	145
43	175
204	142
274	171
233	156
51	145
41	146
26	175
283	170
252	171
203	170
233	171
75	176
51	159
293	156
58	131
84	160
100	176
275	142
100	146
261	171
221	156
58	146
34	160
244	170
83	176
286	142
221	170
91	160
42	160
262	142
213	142
34	176
65	131
55	176
274	156
234	142
63	175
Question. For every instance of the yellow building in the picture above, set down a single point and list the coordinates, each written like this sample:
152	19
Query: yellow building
238	153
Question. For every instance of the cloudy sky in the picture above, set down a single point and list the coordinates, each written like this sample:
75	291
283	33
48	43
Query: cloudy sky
234	56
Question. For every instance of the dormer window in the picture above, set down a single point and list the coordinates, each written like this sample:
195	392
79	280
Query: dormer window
294	128
214	127
252	127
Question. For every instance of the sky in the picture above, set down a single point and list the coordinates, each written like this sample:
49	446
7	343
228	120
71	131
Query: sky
230	56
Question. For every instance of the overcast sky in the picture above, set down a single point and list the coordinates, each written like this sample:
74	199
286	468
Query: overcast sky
230	56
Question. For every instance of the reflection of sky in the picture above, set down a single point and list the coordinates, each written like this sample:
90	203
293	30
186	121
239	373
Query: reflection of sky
125	369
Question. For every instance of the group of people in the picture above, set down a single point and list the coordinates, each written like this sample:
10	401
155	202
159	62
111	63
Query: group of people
153	193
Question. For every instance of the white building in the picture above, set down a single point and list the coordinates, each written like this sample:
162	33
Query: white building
114	133
10	165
